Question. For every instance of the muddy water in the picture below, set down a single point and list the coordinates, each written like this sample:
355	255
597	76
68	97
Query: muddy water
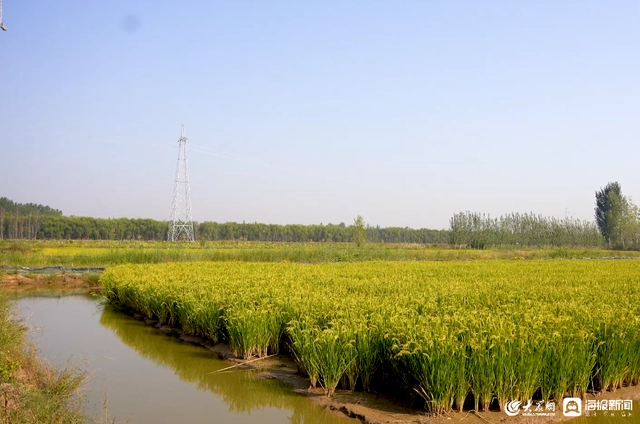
148	377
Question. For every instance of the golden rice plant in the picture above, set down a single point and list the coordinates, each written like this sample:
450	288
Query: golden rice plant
448	333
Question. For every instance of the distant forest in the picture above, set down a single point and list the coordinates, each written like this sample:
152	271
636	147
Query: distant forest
10	207
479	231
32	221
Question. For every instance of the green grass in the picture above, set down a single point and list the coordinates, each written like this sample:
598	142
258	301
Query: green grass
100	254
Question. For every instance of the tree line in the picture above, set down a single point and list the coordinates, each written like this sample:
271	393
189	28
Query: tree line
22	220
10	207
38	225
480	231
617	225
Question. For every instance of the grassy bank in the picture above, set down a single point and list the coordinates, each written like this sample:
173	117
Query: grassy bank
31	392
100	254
444	333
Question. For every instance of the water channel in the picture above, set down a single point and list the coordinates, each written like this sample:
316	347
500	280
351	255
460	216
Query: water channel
148	377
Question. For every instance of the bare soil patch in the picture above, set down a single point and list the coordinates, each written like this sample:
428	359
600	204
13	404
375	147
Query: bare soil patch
24	283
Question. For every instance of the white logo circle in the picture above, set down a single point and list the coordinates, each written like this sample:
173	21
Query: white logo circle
512	408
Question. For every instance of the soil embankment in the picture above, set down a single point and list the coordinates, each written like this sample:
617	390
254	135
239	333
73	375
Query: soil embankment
47	282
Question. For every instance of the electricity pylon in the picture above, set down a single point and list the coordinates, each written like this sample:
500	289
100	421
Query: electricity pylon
2	27
181	224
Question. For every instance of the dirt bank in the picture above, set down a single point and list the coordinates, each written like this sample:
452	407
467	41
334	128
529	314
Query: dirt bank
34	283
370	408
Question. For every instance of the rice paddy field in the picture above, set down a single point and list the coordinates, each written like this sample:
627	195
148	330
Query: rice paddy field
73	253
447	335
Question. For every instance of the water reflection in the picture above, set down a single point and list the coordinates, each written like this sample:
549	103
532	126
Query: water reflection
240	389
153	378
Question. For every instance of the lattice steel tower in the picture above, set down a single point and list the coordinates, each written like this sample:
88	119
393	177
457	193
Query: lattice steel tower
181	224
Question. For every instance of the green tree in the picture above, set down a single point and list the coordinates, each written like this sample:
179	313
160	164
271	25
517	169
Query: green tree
618	218
631	225
359	232
625	217
608	209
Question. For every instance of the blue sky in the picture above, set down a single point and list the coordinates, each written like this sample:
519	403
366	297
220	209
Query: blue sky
404	112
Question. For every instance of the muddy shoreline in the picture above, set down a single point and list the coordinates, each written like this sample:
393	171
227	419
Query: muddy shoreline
63	282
